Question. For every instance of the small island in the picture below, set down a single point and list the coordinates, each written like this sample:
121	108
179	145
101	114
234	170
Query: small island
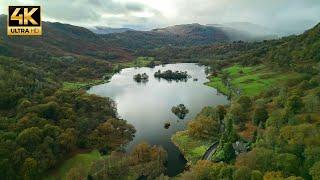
180	111
171	75
141	77
167	125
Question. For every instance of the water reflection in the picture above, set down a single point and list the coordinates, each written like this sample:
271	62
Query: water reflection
148	105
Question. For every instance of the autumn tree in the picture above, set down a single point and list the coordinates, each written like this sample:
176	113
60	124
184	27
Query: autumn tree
76	173
245	102
271	175
257	159
260	115
112	133
30	169
227	172
287	163
205	125
30	138
242	173
256	175
294	104
314	170
229	152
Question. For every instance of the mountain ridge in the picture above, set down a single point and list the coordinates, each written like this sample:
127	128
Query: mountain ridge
108	30
179	35
64	39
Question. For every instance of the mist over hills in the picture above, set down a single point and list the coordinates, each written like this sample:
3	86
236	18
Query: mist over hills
108	30
246	31
235	31
122	43
110	43
185	35
179	35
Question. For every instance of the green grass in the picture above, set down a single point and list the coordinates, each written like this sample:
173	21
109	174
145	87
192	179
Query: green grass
73	85
192	149
139	62
251	81
83	159
80	85
234	70
217	83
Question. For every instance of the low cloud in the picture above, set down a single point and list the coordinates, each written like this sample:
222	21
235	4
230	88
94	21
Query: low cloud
288	16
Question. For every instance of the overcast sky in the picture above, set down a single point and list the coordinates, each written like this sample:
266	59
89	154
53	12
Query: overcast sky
282	15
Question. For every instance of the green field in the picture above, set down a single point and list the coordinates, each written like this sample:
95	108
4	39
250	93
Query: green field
81	85
217	83
139	62
192	149
83	159
250	81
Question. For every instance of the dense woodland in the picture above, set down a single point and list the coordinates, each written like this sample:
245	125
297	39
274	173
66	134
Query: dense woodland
143	161
41	123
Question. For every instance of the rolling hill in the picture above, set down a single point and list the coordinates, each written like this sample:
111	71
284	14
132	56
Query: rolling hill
246	31
179	35
63	39
108	30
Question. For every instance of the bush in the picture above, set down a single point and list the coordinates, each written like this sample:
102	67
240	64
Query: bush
256	175
229	152
226	172
294	104
245	103
242	173
260	115
314	170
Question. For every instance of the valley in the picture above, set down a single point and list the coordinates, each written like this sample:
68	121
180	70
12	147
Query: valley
70	108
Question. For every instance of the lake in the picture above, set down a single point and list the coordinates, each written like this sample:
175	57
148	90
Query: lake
148	105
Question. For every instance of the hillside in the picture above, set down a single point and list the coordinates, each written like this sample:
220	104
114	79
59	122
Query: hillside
108	30
246	31
185	35
271	128
179	35
42	124
283	51
63	39
69	52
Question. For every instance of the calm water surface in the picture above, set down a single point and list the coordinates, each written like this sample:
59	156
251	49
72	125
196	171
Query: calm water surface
147	106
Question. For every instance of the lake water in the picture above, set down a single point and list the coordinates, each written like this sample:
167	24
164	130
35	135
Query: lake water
148	105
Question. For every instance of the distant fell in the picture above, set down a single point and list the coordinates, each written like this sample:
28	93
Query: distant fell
108	30
62	39
246	31
178	35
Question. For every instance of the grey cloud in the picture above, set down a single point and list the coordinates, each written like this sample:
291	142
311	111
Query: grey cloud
289	16
86	12
134	7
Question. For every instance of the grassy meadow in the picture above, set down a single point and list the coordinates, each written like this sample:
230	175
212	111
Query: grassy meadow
192	149
249	81
82	159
